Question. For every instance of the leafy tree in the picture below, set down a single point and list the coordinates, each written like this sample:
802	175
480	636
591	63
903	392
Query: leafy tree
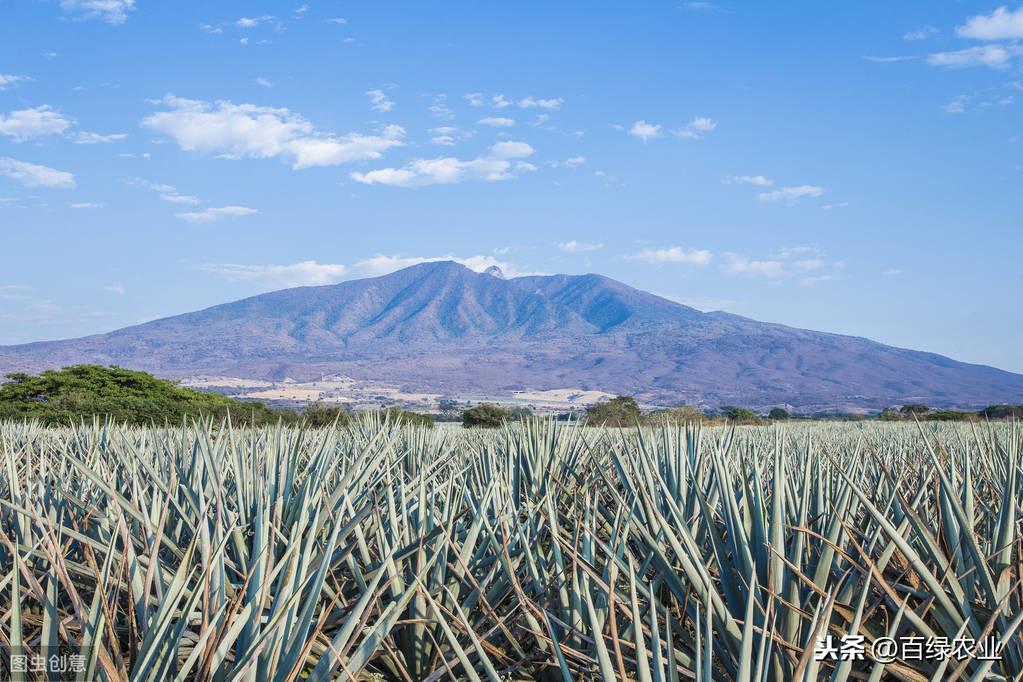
740	415
520	414
914	408
620	411
951	416
83	391
399	416
890	414
683	414
485	416
1002	411
778	414
318	414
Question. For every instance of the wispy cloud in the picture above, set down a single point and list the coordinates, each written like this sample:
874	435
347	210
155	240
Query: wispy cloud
803	262
236	131
305	273
502	162
381	264
496	122
378	101
33	175
478	99
921	33
992	56
672	254
696	129
86	204
216	215
263	82
574	246
8	80
110	11
792	195
252	22
168	193
758	180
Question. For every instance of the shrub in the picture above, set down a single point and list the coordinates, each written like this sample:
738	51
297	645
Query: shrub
127	396
318	414
683	414
1002	411
778	414
914	408
740	415
620	411
486	416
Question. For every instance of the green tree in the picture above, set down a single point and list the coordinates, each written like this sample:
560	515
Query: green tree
620	411
914	408
683	414
84	391
485	416
740	415
318	414
778	414
890	414
1002	411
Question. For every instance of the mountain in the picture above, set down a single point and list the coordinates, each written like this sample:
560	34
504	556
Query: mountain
444	328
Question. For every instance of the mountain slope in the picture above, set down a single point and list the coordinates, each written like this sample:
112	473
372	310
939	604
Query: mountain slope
442	327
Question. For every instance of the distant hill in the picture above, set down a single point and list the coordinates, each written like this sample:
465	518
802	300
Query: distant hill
445	328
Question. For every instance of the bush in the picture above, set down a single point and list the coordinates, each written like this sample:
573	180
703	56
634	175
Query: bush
620	411
318	414
683	414
399	416
914	408
485	416
778	414
127	396
890	414
740	415
1002	411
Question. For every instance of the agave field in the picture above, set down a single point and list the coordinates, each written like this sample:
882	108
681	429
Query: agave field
542	551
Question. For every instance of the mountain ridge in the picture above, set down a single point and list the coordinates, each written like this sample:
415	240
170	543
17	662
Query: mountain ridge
443	327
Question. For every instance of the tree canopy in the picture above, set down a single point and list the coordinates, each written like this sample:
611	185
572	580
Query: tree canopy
620	411
127	396
485	416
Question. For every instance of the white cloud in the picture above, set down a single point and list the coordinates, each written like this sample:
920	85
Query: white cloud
475	99
305	273
381	264
300	11
83	137
111	11
378	101
673	254
791	195
36	122
740	265
447	136
758	180
699	6
210	28
574	246
532	103
440	109
264	82
573	162
889	60
252	22
168	193
116	288
646	131
8	80
214	215
237	131
695	129
956	105
922	33
340	21
86	204
495	165
32	175
805	262
496	122
993	56
1001	24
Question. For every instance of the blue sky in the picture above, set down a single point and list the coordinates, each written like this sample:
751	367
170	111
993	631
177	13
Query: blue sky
852	168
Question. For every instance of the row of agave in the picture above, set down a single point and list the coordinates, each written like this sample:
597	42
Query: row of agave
542	551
